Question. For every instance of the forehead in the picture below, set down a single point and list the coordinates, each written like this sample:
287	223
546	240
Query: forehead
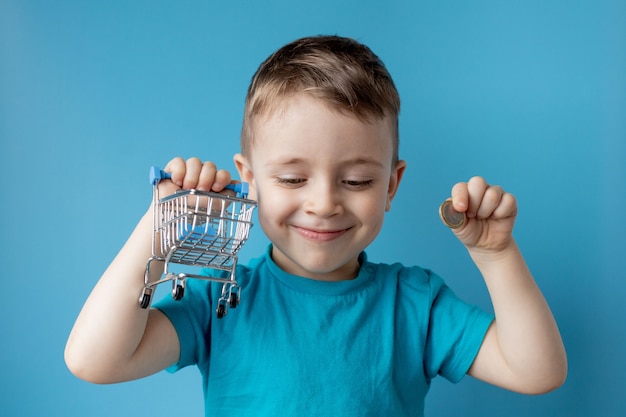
303	123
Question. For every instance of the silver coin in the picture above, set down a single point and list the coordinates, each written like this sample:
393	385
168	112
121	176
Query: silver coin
450	217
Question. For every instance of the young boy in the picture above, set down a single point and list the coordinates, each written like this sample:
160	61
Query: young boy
321	330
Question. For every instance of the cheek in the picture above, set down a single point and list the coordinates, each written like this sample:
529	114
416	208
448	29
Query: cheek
371	210
272	207
374	203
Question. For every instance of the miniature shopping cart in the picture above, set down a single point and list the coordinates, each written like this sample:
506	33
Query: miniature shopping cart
198	229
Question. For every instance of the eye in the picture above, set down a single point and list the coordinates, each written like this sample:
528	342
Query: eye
290	182
358	184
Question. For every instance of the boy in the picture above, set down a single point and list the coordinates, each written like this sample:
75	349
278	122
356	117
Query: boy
321	330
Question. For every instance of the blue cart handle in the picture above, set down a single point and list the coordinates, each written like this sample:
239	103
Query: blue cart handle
157	174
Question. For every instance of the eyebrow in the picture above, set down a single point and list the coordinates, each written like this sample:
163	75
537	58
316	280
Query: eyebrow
285	162
350	162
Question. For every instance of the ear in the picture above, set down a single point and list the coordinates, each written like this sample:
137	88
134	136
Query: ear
245	173
394	182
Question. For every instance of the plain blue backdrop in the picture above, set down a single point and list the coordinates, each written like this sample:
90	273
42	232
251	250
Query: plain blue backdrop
529	94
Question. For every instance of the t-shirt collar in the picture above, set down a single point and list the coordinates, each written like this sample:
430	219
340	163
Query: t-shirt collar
365	275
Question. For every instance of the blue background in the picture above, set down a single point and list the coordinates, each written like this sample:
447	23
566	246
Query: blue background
529	94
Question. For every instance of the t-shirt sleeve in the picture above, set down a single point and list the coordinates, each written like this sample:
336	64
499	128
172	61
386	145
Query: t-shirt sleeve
455	333
191	317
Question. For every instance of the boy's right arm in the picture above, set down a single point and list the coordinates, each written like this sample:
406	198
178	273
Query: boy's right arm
114	339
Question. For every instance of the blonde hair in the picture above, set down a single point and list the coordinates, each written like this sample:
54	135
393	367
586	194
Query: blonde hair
341	72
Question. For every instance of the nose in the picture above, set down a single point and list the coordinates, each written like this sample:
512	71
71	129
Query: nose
323	199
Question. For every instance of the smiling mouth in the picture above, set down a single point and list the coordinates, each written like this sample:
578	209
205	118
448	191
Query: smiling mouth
320	235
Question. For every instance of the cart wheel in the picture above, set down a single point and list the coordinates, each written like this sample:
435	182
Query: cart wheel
234	300
178	292
221	311
144	301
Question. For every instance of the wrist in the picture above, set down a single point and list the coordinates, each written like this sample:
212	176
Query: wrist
482	256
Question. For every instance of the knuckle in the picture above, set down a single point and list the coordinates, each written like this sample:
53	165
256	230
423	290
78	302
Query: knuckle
222	174
477	185
510	198
209	166
174	163
493	195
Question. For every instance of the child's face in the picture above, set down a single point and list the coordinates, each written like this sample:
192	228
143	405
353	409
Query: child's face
323	181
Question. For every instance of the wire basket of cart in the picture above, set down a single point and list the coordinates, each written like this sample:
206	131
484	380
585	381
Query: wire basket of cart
198	229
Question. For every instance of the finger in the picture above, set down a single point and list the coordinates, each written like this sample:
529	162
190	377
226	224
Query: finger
206	176
177	168
460	197
490	201
476	187
192	174
507	207
222	179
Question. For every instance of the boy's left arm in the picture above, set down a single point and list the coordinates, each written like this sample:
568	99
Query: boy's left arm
522	350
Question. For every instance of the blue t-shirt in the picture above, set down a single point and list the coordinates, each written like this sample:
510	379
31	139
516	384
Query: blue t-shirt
295	346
